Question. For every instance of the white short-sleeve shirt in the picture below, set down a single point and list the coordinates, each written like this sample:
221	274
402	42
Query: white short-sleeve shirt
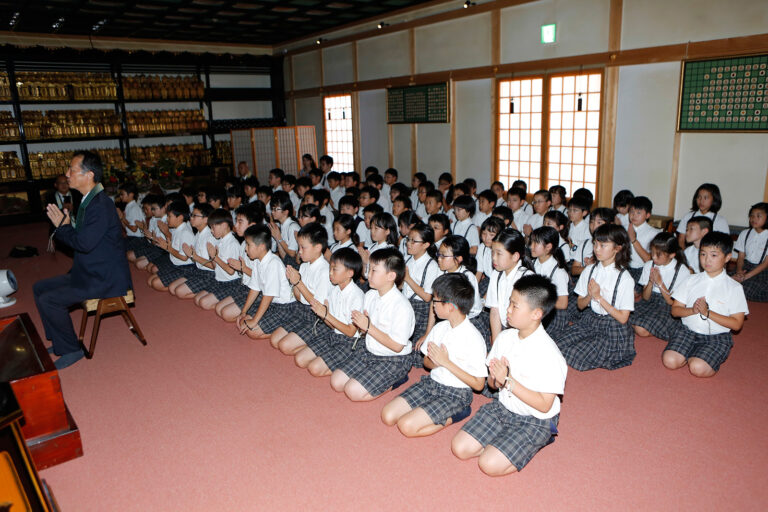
288	230
485	260
424	271
316	278
201	246
692	257
342	245
154	229
623	219
364	235
479	217
579	232
248	262
336	194
468	230
179	236
133	214
477	306
520	218
669	273
229	248
581	251
718	222
756	247
270	279
536	363
535	221
466	349
606	277
644	233
550	270
723	295
341	303
295	200
421	211
393	315
500	289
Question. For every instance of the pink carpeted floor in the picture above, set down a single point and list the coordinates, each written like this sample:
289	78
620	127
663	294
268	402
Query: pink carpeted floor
204	419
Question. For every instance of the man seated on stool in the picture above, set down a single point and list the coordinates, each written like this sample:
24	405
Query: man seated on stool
100	268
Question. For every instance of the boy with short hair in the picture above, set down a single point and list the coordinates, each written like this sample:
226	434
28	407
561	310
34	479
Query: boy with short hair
505	214
441	226
542	202
464	209
132	219
621	205
226	247
197	278
455	352
424	188
711	304
529	371
433	202
302	185
390	178
486	201
377	182
696	228
289	183
640	234
498	188
326	164
216	197
579	236
151	232
316	176
516	203
387	322
522	185
264	194
401	204
176	233
337	191
363	230
250	188
275	179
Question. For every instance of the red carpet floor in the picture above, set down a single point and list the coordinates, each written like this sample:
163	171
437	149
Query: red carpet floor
204	419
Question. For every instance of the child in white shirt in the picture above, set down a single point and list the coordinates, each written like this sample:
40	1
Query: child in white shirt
227	280
696	229
464	209
177	233
752	247
640	234
197	278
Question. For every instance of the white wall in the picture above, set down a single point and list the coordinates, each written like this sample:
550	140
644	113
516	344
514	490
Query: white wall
462	43
374	142
383	56
338	64
309	111
473	131
434	149
401	136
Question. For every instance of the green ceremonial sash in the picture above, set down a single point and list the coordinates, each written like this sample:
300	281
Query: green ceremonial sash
84	204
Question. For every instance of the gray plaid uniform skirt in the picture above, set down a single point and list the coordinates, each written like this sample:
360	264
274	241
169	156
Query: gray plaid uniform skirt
439	401
482	323
334	348
240	293
482	286
242	297
635	273
149	251
168	272
273	316
712	348
597	341
519	438
224	289
303	322
376	373
574	313
756	288
655	316
200	280
556	322
421	315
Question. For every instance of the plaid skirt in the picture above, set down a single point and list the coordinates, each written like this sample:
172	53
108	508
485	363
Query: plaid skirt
421	315
756	288
273	316
224	289
482	323
134	243
290	261
242	297
200	280
168	272
597	341
376	373
574	313
556	322
482	286
712	348
519	438
655	316
635	273
149	251
439	401
334	348
241	293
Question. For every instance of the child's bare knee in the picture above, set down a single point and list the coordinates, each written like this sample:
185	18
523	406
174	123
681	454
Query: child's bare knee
700	368
338	381
673	360
641	331
494	464
462	448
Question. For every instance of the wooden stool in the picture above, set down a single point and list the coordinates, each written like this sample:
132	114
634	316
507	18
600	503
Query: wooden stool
104	307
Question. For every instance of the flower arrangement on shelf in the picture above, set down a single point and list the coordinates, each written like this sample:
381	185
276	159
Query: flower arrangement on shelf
165	173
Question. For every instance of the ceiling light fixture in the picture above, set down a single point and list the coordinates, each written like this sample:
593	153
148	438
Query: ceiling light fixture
468	4
57	25
14	19
319	41
382	25
98	26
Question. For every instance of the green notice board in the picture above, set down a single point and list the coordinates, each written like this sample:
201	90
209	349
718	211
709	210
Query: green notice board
725	95
418	104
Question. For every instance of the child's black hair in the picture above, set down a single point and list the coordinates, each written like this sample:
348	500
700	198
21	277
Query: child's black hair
586	194
641	203
407	204
421	177
327	159
622	198
259	234
205	209
400	188
277	173
581	203
348	222
606	214
267	191
350	259
465	202
427	235
560	219
544	192
619	237
722	241
520	184
548	235
315	233
370	170
130	187
392	172
667	243
373	192
235	190
436	195
375	179
408	218
460	249
455	288
492	224
251	181
538	291
312	211
441	219
489	195
717	198
174	196
348	201
355	177
333	175
559	190
179	208
290	179
703	221
514	242
462	187
445	177
505	213
215	194
317	173
219	216
373	208
386	221
471	183
352	192
392	260
760	206
304	182
153	200
516	191
251	214
187	192
428	185
282	200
